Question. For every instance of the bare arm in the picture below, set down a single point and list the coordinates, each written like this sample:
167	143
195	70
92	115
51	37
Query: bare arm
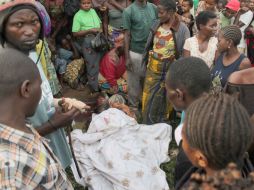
127	43
245	64
186	53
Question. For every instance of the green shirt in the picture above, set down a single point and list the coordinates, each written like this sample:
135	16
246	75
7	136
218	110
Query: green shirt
224	21
138	20
85	20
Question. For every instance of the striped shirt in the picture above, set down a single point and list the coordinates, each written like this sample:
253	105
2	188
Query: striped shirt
27	162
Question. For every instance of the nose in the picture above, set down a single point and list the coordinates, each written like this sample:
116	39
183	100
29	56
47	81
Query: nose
28	30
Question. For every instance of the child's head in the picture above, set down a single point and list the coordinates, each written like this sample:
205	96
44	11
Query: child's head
229	36
20	81
216	131
221	4
85	5
244	5
187	5
186	80
210	5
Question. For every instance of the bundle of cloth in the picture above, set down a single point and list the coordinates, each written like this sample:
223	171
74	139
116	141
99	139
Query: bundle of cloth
117	153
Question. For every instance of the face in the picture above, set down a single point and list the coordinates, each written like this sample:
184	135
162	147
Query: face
66	44
210	28
174	98
186	6
86	5
244	5
251	5
229	13
163	14
22	29
223	44
210	5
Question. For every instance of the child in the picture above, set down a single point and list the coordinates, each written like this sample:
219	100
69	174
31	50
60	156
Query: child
86	24
187	17
27	162
216	131
227	15
187	79
243	20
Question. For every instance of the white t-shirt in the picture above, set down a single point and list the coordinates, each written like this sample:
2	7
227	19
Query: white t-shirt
191	44
246	19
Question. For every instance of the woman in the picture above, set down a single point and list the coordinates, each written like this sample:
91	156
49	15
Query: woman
156	107
230	59
216	131
203	44
113	75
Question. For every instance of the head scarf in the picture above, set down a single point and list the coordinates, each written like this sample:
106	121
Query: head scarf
8	7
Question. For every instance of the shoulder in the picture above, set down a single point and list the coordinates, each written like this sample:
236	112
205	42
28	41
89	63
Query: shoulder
78	14
245	63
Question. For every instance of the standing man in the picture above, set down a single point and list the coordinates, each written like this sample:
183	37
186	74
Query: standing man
137	21
21	27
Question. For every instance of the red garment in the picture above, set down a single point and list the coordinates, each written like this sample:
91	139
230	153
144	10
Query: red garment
112	67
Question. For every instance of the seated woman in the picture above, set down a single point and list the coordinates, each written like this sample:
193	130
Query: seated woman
230	59
203	45
216	131
113	76
242	84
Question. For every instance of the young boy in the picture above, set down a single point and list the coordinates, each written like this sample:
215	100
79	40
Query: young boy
186	80
86	24
26	161
227	15
187	17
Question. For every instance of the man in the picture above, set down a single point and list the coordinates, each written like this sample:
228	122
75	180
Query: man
20	28
186	80
26	161
137	21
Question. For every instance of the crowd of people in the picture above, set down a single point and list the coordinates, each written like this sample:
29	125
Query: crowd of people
150	62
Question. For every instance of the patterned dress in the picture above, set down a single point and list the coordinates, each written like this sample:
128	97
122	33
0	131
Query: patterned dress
156	107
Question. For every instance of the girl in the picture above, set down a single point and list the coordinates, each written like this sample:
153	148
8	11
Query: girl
230	59
216	132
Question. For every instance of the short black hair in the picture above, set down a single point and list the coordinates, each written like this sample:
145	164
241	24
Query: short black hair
190	2
168	5
203	18
15	68
191	73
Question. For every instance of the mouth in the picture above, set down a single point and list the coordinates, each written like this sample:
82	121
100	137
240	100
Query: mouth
30	42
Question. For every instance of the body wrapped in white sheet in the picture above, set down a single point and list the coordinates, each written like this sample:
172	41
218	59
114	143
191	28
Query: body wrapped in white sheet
117	153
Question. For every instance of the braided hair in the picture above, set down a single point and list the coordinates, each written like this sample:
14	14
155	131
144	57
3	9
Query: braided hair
219	126
233	33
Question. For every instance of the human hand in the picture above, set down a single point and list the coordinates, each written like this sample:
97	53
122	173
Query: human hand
61	119
68	103
95	30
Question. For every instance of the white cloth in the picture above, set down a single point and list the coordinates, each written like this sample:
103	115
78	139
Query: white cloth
178	134
116	153
246	19
191	44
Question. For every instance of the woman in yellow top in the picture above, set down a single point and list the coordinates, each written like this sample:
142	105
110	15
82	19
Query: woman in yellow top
155	106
